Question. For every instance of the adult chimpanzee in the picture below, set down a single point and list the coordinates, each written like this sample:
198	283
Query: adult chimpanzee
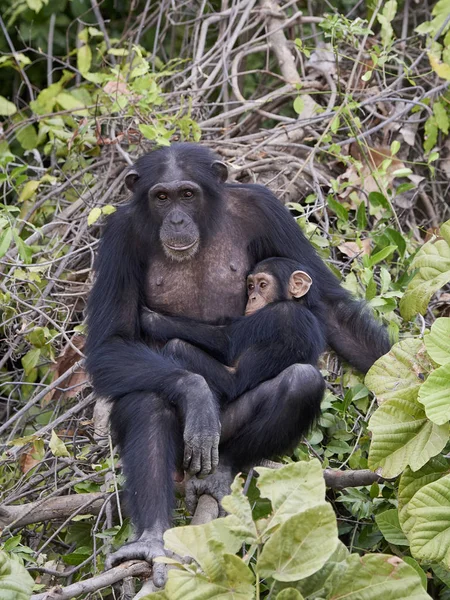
183	246
284	325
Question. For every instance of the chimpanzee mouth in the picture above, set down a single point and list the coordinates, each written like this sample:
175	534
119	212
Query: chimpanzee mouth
177	248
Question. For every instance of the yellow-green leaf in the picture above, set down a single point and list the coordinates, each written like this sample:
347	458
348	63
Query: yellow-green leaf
437	342
57	446
7	108
94	215
84	58
435	395
28	190
402	436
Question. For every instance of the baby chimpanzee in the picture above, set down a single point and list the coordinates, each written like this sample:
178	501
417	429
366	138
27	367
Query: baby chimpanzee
283	325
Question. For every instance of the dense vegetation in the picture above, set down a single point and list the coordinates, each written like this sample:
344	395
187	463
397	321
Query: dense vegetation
342	108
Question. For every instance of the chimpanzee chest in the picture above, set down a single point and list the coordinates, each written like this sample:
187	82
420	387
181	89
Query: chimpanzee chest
209	286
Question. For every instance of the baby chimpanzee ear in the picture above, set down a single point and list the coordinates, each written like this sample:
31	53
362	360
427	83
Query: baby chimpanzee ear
131	178
220	170
299	284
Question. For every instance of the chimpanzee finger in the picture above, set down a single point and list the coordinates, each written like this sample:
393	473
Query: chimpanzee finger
187	457
206	463
196	462
215	455
159	574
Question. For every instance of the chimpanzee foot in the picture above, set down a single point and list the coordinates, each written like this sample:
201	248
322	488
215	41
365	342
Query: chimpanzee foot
216	485
147	548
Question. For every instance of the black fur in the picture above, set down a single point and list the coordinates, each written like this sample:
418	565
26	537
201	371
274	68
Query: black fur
125	367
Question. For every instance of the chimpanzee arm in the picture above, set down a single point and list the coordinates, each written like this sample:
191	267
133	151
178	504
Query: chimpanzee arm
211	338
352	331
282	334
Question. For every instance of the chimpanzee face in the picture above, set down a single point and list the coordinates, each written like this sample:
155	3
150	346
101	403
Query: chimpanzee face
176	206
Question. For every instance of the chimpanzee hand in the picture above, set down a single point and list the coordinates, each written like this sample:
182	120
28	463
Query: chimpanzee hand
201	442
216	485
201	426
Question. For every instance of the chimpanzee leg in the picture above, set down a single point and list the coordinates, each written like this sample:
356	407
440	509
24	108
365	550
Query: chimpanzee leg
195	360
150	438
271	418
263	422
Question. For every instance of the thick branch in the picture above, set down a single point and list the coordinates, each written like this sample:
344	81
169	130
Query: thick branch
61	508
52	509
127	569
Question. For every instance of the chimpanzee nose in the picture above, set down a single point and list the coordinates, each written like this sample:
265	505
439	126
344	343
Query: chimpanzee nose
177	219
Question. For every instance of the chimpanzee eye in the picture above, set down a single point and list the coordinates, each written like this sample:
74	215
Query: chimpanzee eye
161	196
263	284
187	194
250	287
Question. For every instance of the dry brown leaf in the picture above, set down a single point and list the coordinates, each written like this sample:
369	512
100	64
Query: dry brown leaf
352	249
77	381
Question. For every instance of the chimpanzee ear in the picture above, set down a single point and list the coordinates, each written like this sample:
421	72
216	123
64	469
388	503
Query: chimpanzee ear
220	170
299	284
131	178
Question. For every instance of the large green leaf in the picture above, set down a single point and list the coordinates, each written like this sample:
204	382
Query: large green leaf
435	395
240	521
399	374
291	489
389	525
430	532
437	342
402	436
411	482
234	582
301	546
433	264
194	541
15	581
375	577
314	585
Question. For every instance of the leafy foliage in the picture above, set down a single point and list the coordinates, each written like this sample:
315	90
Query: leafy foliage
294	550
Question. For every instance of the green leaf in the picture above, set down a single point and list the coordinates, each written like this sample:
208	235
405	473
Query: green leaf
433	264
84	58
313	586
27	137
233	581
389	525
30	360
15	581
194	541
57	446
400	372
361	217
430	532
69	102
5	241
437	342
301	546
238	506
411	482
7	108
435	395
28	190
375	577
291	489
299	105
381	255
108	209
94	215
337	207
289	594
441	117
402	435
